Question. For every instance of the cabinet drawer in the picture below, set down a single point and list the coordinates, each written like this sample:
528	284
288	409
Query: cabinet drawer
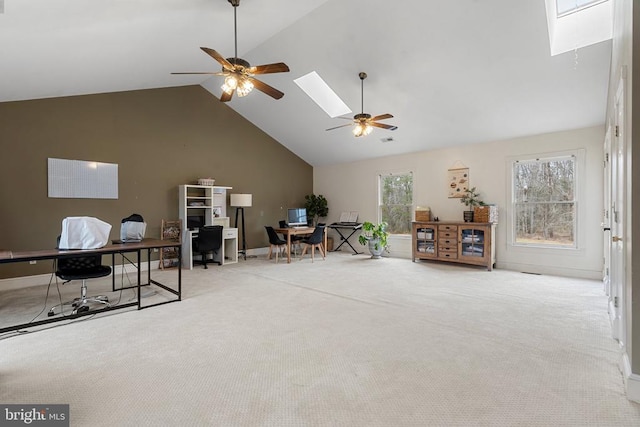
452	228
449	243
443	247
452	235
229	233
451	253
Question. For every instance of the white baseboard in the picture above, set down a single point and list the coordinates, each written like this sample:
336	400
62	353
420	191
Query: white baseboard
631	380
257	251
43	279
550	270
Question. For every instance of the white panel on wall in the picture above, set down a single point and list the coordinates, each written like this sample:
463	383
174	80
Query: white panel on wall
79	179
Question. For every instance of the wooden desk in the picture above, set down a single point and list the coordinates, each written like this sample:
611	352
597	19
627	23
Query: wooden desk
119	248
295	231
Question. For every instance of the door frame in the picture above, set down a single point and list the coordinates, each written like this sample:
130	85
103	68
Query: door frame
618	188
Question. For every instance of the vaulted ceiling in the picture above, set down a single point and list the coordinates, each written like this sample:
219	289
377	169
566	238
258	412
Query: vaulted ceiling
451	72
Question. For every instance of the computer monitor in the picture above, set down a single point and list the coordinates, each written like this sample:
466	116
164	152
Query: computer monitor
296	217
194	222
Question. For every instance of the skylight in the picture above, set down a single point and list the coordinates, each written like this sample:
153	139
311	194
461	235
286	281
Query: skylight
574	24
565	7
320	92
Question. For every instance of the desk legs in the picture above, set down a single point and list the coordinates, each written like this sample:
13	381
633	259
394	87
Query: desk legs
177	293
138	266
138	285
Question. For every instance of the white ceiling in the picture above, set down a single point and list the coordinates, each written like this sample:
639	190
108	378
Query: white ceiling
452	72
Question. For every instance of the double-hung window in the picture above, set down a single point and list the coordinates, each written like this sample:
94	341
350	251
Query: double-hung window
544	205
395	201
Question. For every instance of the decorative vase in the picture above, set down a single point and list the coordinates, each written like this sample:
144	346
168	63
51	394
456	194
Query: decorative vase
468	216
375	248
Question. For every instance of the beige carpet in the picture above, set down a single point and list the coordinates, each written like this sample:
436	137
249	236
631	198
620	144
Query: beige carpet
344	342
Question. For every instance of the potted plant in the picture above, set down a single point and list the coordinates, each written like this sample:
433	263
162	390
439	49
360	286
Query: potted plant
316	207
375	236
471	199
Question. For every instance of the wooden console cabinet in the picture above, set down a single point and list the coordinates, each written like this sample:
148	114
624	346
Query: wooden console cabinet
461	242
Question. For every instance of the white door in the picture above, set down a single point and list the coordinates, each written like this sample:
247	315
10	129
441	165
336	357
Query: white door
618	204
606	223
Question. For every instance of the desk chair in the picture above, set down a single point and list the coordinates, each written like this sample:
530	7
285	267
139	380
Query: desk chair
315	241
275	241
82	268
295	240
209	240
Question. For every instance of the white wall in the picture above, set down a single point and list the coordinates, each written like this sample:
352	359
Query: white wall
353	186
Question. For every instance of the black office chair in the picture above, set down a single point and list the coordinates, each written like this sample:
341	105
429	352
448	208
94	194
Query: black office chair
314	241
275	242
82	268
209	240
295	240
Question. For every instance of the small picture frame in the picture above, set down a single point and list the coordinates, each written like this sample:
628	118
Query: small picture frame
458	182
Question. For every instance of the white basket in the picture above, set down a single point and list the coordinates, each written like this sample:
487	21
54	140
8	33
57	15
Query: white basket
206	181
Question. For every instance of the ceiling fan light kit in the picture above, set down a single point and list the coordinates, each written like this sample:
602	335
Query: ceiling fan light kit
238	73
363	122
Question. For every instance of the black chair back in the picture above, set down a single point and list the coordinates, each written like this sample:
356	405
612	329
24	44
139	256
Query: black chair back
316	236
209	240
273	236
82	267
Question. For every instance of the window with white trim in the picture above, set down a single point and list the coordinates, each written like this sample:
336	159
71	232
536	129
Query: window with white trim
544	205
395	201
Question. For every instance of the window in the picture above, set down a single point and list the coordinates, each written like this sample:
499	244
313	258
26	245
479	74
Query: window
396	202
544	202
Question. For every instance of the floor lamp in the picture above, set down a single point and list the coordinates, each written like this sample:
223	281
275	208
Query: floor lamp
241	201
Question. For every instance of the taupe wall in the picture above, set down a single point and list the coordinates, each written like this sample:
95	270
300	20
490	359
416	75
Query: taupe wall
159	138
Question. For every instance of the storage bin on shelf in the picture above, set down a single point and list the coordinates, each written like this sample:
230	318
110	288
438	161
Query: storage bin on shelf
423	214
486	213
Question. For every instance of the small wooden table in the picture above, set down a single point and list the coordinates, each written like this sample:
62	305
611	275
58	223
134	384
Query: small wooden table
294	231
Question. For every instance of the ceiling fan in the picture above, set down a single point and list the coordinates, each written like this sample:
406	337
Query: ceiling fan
238	73
364	123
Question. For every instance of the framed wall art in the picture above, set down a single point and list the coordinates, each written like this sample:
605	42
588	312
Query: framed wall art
458	182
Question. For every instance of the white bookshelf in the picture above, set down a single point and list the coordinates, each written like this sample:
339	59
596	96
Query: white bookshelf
209	204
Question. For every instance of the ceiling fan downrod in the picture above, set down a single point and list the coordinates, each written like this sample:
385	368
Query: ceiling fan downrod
362	116
235	4
362	76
